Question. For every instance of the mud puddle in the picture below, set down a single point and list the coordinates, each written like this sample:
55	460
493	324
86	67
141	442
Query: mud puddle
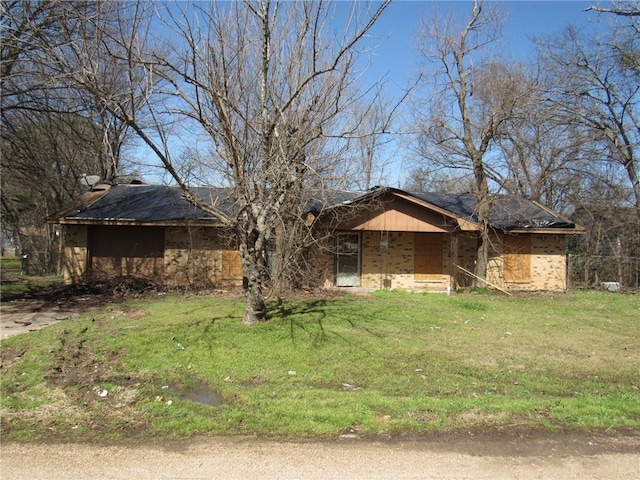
199	392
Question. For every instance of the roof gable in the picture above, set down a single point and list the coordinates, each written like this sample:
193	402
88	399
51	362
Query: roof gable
393	213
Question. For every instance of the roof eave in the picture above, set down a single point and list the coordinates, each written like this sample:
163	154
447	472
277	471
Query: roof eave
133	222
547	231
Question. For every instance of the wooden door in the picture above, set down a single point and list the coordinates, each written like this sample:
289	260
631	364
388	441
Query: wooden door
427	257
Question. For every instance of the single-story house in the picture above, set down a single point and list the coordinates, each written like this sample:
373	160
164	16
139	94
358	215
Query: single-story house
384	238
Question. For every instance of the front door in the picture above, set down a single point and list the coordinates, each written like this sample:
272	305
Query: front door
348	260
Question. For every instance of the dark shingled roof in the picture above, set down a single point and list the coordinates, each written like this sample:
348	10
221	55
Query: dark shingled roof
160	203
507	211
151	203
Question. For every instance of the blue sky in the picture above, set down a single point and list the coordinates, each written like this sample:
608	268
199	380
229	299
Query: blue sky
398	27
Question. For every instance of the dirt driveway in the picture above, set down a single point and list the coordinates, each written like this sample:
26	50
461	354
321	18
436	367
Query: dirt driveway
26	315
559	457
22	316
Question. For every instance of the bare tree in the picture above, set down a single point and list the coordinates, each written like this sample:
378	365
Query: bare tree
436	178
598	92
28	29
540	156
624	8
468	105
51	133
266	83
44	157
372	145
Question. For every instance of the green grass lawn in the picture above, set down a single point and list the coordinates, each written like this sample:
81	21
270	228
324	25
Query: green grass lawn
391	363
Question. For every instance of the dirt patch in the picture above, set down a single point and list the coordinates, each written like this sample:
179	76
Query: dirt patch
76	364
34	309
83	391
10	356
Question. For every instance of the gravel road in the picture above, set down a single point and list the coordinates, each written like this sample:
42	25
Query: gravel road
560	458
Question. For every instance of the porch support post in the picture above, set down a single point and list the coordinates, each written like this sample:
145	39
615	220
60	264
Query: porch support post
454	261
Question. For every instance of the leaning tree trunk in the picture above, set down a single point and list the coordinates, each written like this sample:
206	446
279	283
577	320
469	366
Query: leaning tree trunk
484	208
482	259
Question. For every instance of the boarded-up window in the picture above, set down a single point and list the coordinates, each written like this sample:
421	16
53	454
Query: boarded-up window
124	250
427	257
231	265
517	258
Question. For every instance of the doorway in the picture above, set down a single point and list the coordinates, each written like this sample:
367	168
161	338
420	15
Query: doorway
348	260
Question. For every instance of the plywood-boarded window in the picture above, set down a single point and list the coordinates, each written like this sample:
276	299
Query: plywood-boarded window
517	258
427	256
231	265
126	250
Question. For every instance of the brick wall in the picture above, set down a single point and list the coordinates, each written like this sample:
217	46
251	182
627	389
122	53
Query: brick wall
393	267
390	267
326	262
467	253
200	257
191	257
203	257
547	260
75	238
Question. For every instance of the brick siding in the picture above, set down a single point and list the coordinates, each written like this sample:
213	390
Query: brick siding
199	257
75	238
547	260
203	257
393	267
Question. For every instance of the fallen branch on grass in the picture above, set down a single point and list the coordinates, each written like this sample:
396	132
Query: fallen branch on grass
483	280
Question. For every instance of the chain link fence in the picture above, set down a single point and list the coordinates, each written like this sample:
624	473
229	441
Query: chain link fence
604	271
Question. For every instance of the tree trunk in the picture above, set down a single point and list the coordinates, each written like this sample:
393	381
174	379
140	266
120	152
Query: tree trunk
632	173
255	310
484	208
482	258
